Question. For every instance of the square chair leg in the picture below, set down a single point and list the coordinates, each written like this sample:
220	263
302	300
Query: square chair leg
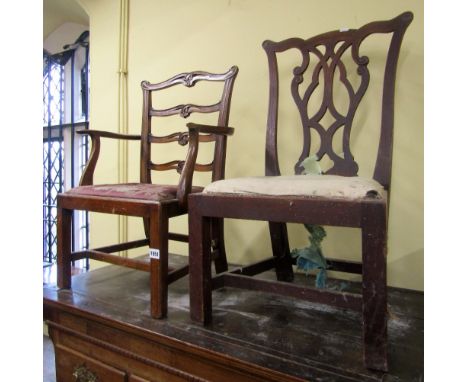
374	286
64	227
158	240
200	268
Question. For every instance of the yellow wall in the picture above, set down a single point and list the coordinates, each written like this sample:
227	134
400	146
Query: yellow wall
168	37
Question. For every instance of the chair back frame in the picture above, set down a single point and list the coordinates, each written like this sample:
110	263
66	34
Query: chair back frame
185	110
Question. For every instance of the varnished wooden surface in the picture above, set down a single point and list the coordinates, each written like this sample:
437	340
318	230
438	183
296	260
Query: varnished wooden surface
304	340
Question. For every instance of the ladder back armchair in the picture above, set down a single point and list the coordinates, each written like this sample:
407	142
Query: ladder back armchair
155	203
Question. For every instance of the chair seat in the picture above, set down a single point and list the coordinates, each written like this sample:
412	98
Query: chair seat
333	186
141	191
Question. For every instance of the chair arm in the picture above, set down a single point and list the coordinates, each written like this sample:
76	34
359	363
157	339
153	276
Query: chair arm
186	176
210	129
88	173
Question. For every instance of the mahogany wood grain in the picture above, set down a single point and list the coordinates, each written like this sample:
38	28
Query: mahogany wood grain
159	266
176	274
338	299
185	110
95	135
123	246
374	285
64	219
180	137
210	129
218	250
256	268
73	366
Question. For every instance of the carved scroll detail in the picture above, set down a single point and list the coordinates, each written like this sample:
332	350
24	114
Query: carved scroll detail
185	110
188	80
180	166
183	139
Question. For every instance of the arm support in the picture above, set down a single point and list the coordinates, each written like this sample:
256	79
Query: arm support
186	176
88	173
209	129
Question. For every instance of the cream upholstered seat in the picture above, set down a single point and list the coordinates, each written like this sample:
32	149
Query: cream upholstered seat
143	191
332	186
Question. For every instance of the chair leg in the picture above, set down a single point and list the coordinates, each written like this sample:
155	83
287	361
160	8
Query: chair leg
64	227
200	267
374	286
158	241
280	247
217	237
146	227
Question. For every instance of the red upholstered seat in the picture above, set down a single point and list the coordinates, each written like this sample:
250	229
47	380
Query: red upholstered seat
142	191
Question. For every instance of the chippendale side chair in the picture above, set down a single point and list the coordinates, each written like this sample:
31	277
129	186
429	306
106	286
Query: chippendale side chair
337	198
155	203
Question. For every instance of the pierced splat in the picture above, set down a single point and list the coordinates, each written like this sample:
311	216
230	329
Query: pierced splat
329	63
313	89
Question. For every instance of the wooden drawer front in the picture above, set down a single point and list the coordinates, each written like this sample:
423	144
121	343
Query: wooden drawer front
137	367
76	367
134	378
